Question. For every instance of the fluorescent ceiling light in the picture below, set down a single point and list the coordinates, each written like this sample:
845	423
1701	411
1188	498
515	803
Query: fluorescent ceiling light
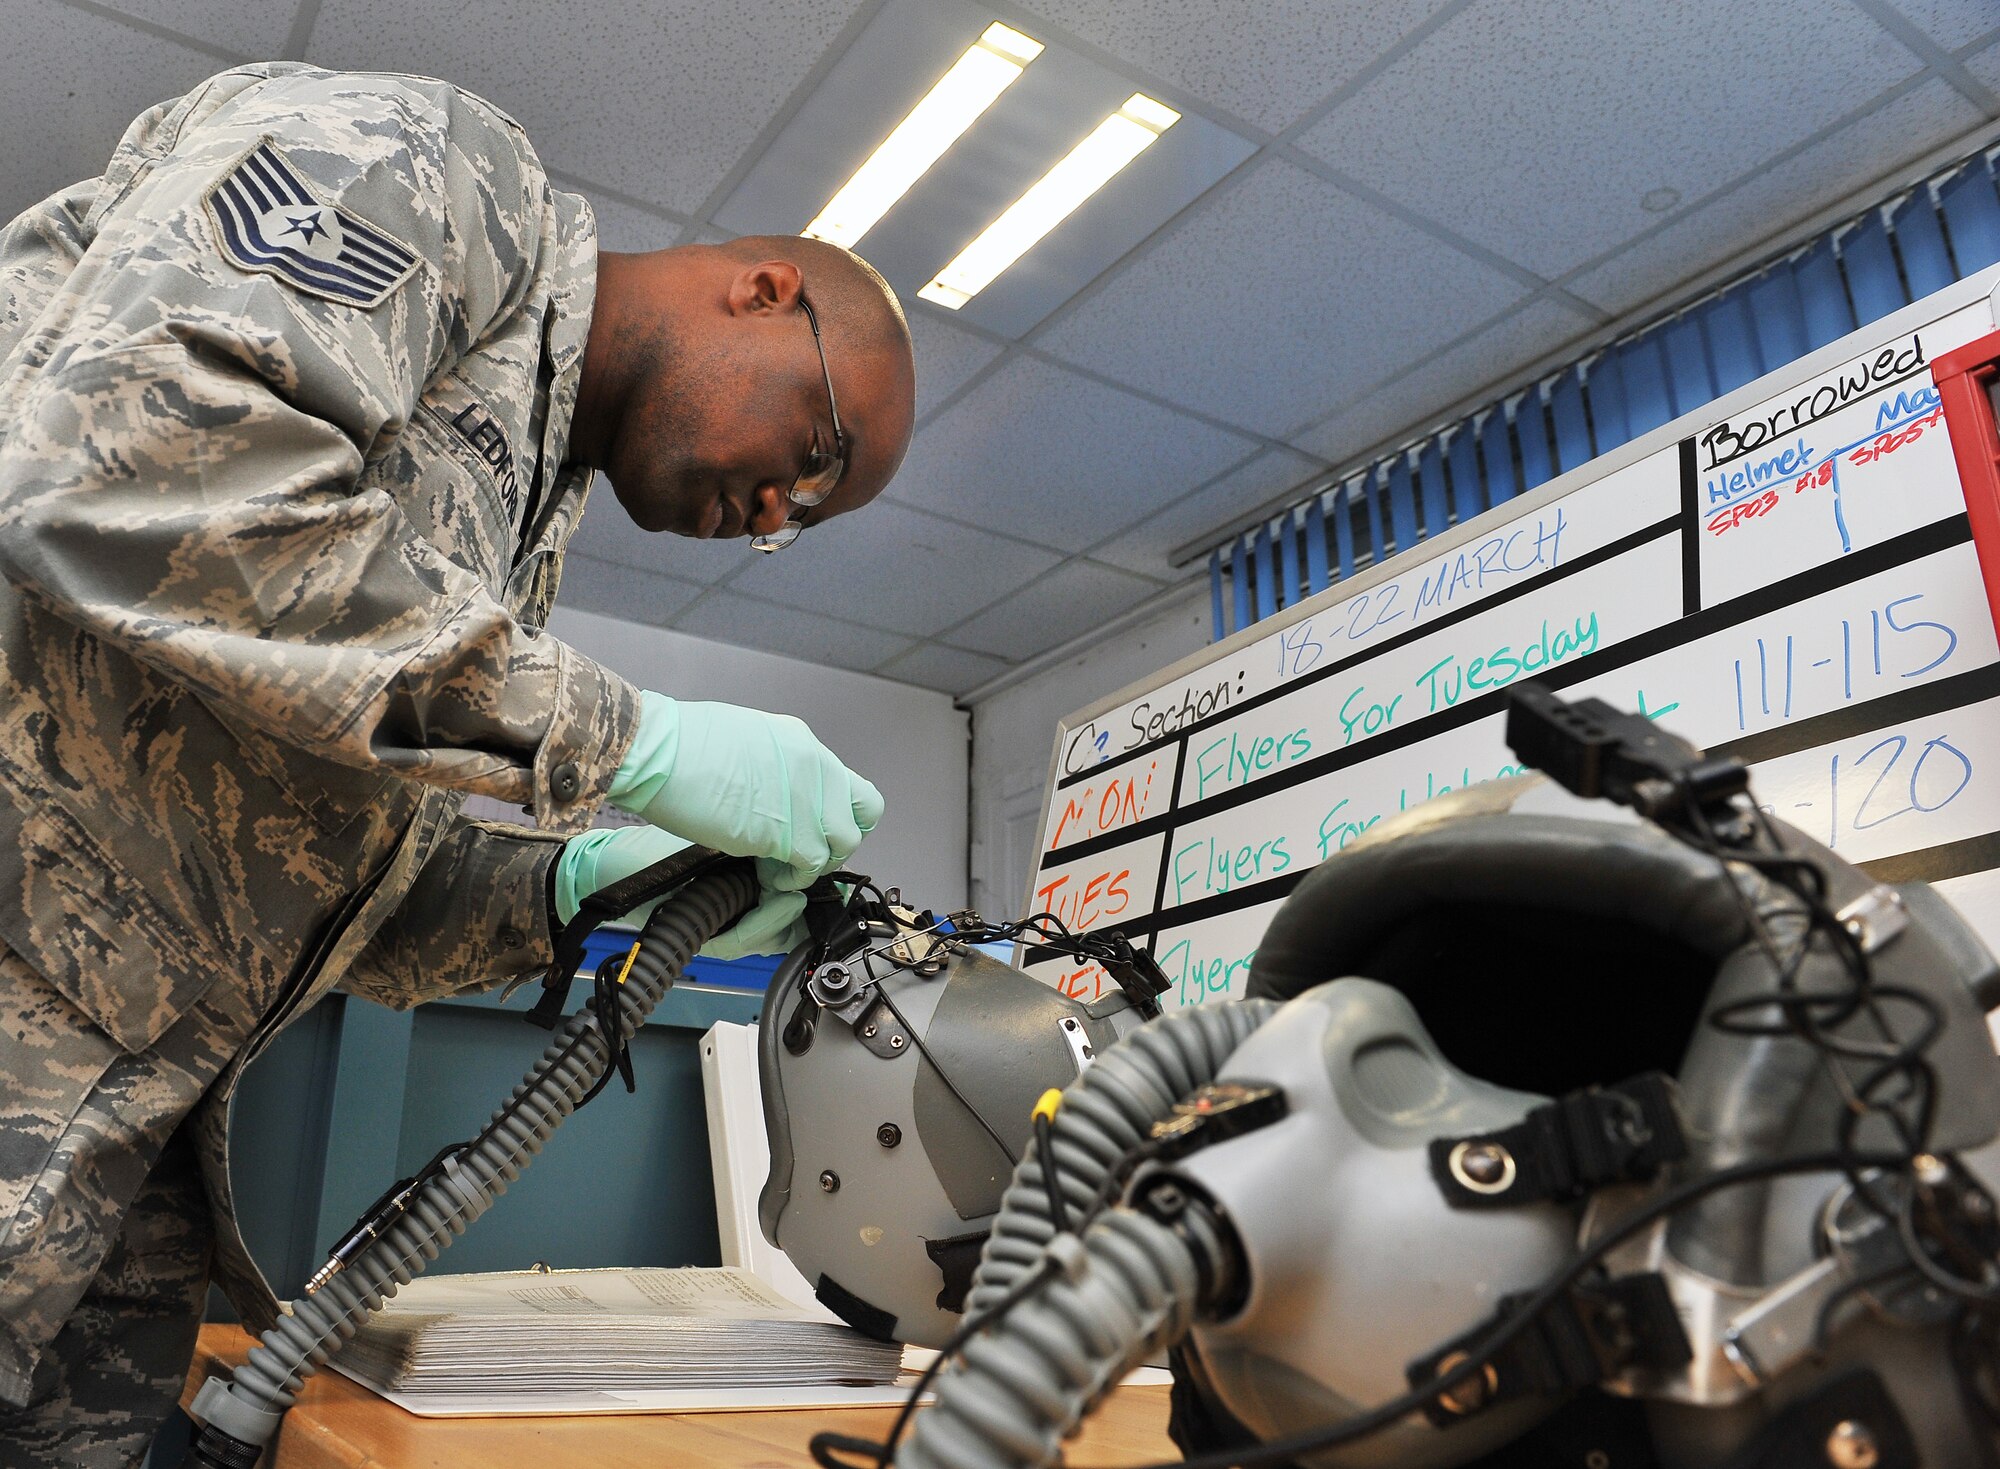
1090	165
986	70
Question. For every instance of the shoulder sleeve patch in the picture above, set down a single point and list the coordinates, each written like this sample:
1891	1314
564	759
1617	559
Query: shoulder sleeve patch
266	219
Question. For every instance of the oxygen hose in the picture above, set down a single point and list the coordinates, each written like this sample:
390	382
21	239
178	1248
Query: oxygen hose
242	1415
1126	1290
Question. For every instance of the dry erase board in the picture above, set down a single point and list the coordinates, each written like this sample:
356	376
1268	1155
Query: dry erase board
1786	575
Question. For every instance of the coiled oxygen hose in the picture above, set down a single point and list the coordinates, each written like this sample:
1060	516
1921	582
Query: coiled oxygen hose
242	1415
1125	1291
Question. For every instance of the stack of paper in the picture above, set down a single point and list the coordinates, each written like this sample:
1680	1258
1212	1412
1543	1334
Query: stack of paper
612	1341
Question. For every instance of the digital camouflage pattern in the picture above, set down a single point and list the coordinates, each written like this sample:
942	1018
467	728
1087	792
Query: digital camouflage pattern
275	567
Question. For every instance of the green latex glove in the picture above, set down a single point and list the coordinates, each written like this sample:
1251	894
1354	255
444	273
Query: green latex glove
747	783
599	858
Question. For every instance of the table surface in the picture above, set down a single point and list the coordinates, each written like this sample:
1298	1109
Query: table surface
339	1424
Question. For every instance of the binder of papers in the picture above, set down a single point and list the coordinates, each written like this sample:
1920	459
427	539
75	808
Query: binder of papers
613	1341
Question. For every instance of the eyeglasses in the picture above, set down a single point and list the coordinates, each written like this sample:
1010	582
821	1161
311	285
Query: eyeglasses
822	470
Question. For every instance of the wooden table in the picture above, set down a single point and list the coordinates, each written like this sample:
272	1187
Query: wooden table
339	1424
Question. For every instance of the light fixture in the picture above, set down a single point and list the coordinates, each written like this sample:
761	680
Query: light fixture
988	67
1051	199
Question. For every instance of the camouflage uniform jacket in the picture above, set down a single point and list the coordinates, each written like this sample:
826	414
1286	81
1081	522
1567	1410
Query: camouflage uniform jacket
284	399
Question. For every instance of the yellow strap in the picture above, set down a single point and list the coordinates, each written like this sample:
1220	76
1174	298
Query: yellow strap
628	962
1048	1104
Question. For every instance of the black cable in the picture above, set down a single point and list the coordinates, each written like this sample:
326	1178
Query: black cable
822	1445
1045	1150
1810	1017
1279	1451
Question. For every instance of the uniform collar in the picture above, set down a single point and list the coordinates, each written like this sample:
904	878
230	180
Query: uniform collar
572	296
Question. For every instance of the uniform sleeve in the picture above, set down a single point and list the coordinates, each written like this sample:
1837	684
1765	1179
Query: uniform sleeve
183	477
477	915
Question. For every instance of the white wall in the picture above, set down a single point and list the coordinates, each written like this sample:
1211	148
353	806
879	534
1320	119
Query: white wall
911	742
1014	732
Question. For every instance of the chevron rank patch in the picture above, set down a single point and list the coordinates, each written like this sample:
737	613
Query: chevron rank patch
266	219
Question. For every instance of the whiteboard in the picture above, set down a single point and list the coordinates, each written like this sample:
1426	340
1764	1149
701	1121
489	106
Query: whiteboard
1786	576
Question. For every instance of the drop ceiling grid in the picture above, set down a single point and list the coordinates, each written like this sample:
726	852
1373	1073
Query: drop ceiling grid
1260	89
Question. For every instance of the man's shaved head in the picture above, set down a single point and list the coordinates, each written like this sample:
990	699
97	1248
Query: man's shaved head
848	293
702	390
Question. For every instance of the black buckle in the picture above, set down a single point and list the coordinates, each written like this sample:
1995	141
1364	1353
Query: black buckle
1137	973
1566	1149
600	908
1598	751
1597	1330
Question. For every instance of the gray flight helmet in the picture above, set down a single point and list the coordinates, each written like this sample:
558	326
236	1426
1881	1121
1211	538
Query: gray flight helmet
900	1067
1458	968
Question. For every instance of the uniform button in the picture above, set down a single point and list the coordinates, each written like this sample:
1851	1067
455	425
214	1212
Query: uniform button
564	782
512	938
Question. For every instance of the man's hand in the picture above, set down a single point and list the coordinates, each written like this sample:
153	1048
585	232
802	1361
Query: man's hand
747	783
597	859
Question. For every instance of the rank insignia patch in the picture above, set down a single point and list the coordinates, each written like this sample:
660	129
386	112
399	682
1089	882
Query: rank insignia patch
267	219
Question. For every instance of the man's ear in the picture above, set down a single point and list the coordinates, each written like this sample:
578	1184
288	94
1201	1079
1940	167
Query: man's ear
769	285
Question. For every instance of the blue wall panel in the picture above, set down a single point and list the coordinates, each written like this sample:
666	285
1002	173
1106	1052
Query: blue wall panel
1239	582
1467	496
1402	504
1289	581
1945	228
1823	295
1971	208
1343	524
1689	375
1779	316
1870	263
1648	400
1317	573
1430	476
1378	534
1604	389
1496	455
1732	341
1920	243
1572	424
1531	434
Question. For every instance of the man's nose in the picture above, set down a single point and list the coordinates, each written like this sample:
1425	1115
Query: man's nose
768	507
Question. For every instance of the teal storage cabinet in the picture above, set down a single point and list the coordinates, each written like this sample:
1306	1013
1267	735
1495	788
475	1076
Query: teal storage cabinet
355	1096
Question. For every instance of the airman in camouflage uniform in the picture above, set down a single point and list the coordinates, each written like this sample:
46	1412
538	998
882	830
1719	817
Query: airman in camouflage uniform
286	401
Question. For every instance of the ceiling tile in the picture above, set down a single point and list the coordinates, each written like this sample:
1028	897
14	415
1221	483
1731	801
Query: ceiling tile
1056	101
892	567
934	666
1266	61
727	618
1146	546
1951	23
70	84
1766	206
248	29
1042	453
1281	296
1536	127
657	100
1986	67
612	590
1482	361
609	534
1066	603
620	226
946	356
